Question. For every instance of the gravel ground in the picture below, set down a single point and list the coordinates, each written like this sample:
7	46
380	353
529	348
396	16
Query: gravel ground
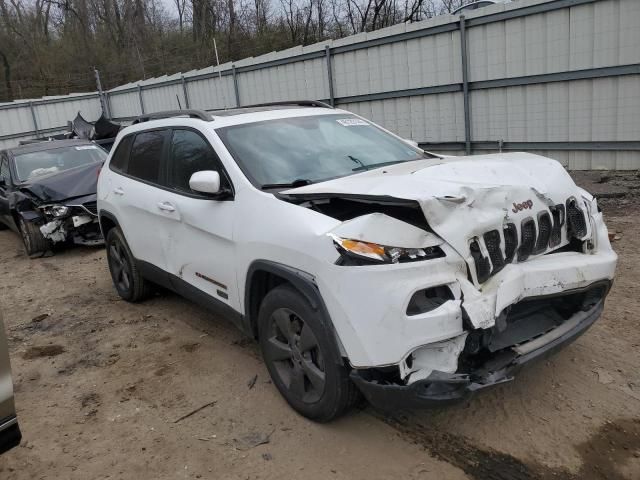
102	387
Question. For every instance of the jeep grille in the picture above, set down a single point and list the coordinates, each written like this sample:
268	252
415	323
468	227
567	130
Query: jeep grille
538	234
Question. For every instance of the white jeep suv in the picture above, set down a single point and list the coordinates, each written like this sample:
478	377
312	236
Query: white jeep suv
360	262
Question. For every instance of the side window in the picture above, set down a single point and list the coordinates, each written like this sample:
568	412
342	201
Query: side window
190	153
146	156
4	170
121	155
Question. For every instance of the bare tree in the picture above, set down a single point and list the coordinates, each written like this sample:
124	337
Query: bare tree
261	15
181	6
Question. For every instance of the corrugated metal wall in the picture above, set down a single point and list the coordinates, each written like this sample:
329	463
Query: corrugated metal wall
212	92
559	77
24	119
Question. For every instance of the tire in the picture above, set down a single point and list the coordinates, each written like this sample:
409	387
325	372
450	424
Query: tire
302	357
34	242
127	280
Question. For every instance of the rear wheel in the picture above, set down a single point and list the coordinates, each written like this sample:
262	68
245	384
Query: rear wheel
34	242
129	283
302	358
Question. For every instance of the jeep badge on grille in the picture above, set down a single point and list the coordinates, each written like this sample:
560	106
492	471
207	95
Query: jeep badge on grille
517	207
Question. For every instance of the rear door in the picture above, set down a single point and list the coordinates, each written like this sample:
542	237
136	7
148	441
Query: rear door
137	196
202	251
9	430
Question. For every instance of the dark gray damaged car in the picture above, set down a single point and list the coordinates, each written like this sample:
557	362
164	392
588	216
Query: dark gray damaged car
48	193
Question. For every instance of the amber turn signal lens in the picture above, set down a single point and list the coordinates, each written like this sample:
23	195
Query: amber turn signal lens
363	247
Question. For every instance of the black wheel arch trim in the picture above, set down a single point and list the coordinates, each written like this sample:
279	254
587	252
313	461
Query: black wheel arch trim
302	281
107	214
102	214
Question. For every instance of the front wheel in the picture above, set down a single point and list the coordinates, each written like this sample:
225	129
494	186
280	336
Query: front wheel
34	242
302	357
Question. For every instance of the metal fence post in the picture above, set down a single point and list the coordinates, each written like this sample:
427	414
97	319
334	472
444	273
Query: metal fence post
184	92
465	85
35	121
103	102
327	51
140	98
108	104
235	84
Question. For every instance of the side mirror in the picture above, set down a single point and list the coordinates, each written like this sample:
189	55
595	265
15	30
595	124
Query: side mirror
413	143
206	181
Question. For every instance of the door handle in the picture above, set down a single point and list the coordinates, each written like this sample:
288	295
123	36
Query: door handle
118	191
166	207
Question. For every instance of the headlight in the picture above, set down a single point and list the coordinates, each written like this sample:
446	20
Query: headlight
56	210
373	253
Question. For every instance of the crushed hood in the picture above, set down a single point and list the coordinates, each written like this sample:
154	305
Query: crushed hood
105	128
73	183
82	128
462	197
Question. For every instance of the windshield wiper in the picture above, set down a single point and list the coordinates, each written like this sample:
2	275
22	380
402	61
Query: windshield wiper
300	182
376	165
361	166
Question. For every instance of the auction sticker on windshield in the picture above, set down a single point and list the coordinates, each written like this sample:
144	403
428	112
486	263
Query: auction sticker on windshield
352	122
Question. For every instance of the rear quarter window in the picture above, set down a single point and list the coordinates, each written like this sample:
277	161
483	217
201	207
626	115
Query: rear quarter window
120	157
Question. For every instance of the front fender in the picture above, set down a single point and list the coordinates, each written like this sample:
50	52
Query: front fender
303	282
30	216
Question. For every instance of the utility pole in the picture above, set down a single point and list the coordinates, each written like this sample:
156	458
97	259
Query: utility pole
103	103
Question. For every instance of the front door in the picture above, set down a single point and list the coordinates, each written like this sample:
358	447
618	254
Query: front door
202	253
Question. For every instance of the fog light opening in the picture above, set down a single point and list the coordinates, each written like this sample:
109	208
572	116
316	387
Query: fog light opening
429	299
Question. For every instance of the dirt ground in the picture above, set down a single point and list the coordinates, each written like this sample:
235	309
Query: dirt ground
102	387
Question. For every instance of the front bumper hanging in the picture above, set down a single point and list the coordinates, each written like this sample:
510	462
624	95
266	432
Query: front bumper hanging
441	388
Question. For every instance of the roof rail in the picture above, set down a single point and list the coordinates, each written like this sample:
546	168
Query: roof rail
300	103
31	141
201	114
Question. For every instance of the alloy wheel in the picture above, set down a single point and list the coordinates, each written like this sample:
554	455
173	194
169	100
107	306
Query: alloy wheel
119	265
293	349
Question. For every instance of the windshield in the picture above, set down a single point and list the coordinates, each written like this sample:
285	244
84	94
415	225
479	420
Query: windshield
48	162
302	150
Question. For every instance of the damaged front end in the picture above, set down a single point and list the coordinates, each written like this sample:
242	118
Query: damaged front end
453	370
63	205
73	221
451	277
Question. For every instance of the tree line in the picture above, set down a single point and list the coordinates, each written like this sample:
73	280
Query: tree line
51	47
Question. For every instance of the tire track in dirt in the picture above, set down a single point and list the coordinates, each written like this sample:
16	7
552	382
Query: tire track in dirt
611	446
